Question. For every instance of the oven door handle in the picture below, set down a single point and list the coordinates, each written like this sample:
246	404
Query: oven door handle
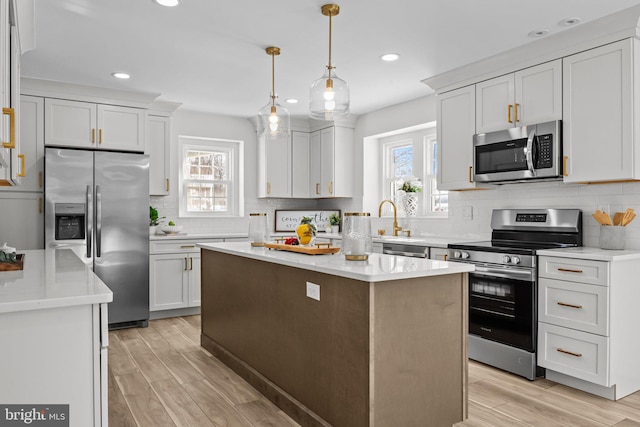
529	152
506	273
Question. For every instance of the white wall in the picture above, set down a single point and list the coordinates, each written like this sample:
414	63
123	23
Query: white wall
191	123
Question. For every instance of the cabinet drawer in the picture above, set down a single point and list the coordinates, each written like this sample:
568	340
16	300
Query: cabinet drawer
574	305
575	270
579	354
177	246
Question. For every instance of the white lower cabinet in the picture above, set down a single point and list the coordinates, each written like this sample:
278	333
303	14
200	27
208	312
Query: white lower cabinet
24	211
174	272
587	313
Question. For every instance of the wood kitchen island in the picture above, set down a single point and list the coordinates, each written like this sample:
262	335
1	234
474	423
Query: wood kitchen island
384	345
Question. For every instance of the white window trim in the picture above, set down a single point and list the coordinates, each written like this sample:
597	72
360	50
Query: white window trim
235	148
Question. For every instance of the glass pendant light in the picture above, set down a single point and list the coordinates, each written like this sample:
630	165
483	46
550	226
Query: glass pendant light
274	118
329	97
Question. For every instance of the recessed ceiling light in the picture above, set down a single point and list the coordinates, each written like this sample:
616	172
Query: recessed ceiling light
121	75
569	22
291	101
390	57
538	33
167	3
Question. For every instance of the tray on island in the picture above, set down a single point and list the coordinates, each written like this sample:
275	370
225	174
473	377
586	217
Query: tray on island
317	249
13	266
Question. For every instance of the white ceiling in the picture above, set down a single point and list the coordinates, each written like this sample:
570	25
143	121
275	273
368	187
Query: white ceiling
210	56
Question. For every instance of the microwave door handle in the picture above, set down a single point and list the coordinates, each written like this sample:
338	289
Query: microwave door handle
529	152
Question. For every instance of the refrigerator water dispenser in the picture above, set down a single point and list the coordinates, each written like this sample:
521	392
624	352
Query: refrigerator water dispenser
70	220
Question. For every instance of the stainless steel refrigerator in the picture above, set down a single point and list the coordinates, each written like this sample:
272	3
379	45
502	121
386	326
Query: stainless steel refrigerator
97	204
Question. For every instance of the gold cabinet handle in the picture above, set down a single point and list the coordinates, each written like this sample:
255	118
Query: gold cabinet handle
330	187
268	188
40	205
516	110
100	136
185	263
190	263
570	353
317	188
568	270
509	113
40	179
470	173
12	128
93	135
564	165
187	246
168	184
564	304
22	171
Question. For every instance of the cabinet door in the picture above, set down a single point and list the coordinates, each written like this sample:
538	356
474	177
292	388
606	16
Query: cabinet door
194	280
158	144
168	281
455	127
70	123
120	128
31	145
314	164
598	114
13	171
300	184
538	94
495	104
327	165
23	211
343	161
278	167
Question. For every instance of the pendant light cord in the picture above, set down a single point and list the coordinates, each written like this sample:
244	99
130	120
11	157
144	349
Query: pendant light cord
329	67
273	79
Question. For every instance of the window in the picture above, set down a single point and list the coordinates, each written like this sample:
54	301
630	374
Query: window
413	155
211	177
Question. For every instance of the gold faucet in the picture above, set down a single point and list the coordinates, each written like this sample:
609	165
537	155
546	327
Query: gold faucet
395	216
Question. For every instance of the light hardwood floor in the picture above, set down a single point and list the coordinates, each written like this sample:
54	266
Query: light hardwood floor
160	376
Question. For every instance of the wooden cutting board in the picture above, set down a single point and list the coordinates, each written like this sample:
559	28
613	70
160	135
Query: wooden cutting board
318	249
13	266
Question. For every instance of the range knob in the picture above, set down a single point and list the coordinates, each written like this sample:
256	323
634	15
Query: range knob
506	259
457	254
515	260
465	255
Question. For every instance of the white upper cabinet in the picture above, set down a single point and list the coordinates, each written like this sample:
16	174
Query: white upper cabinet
314	164
300	176
600	131
336	162
274	174
529	96
96	126
455	127
158	145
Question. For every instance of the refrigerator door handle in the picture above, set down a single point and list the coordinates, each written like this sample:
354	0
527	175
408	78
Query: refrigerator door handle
89	219
98	221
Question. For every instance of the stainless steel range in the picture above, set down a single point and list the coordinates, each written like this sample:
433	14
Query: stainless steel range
503	290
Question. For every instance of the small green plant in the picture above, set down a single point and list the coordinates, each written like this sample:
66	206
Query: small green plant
171	223
153	217
334	219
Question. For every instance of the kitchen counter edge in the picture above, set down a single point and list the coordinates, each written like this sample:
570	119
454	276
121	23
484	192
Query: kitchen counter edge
591	253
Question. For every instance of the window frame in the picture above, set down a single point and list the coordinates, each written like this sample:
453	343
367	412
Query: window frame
234	149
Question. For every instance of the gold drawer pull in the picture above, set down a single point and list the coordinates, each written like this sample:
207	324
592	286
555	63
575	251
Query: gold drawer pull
509	113
564	165
564	304
100	137
187	246
186	265
470	170
570	353
93	135
317	188
568	270
168	184
22	173
190	263
517	118
12	128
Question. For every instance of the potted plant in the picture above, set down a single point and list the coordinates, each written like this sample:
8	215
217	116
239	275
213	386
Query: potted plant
154	220
334	220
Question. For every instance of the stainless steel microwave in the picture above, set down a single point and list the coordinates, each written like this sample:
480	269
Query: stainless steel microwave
519	154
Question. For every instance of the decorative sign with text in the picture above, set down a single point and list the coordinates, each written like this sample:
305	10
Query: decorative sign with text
289	220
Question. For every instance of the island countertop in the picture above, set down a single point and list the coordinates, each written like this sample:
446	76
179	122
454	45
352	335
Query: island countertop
51	278
378	268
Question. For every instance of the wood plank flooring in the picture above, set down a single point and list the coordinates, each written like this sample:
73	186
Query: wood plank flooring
160	376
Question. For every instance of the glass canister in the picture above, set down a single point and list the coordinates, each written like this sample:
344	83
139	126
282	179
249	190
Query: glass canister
356	236
258	229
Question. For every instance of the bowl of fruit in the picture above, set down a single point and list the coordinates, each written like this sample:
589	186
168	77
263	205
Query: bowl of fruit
171	228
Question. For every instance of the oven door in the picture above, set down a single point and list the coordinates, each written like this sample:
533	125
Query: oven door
502	305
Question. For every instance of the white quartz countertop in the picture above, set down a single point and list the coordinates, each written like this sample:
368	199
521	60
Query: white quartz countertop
431	241
377	268
185	236
51	278
591	253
